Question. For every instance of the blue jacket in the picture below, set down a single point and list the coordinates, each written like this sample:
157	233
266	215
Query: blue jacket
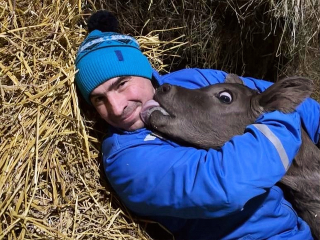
228	193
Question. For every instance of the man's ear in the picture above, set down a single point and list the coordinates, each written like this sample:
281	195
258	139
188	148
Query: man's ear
87	109
285	95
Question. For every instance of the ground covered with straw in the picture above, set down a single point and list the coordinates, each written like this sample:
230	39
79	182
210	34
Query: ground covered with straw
51	182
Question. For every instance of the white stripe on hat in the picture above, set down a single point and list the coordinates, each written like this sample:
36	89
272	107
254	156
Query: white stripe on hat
107	38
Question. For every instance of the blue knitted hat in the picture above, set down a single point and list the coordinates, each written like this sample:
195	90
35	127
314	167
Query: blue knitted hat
105	55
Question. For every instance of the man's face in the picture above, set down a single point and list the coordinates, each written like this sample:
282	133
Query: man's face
119	101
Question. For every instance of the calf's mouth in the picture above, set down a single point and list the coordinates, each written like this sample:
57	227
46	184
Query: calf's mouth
148	108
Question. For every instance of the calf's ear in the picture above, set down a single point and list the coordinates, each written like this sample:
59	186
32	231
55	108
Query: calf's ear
233	78
285	95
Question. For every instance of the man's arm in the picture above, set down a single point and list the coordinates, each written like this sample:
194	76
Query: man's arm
309	110
159	178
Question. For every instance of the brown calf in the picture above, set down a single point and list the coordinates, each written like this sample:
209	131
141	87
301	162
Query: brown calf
210	116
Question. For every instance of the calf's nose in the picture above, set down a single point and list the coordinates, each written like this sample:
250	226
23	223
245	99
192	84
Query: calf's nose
165	88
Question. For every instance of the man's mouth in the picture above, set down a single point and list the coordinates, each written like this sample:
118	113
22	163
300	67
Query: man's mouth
129	114
149	107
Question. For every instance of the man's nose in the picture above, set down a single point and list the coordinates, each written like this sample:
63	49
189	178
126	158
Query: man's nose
117	104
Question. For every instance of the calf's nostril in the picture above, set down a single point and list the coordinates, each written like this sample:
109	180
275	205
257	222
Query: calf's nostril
165	88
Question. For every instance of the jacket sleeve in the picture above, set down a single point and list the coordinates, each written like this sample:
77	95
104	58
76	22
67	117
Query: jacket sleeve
309	110
169	180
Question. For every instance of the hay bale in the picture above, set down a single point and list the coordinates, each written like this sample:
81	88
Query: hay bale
51	185
51	182
262	39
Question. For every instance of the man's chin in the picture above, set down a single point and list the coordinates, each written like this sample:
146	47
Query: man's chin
130	126
137	125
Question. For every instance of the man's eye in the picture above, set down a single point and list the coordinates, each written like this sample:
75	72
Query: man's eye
98	99
225	97
122	83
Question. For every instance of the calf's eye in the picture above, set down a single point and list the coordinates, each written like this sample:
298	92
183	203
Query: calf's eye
225	97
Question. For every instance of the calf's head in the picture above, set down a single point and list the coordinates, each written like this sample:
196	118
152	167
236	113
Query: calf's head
210	116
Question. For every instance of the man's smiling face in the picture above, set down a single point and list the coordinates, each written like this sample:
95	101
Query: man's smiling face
119	101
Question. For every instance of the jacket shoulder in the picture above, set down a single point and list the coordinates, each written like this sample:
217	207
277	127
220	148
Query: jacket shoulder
192	77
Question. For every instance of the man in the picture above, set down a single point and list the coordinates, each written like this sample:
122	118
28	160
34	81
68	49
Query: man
197	194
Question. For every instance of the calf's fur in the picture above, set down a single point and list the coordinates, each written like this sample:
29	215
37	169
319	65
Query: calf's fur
208	117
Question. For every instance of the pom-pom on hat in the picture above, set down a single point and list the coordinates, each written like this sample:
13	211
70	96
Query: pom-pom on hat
106	54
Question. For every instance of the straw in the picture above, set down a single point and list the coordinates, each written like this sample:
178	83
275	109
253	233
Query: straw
51	183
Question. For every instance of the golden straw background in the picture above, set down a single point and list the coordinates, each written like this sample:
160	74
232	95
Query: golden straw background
51	182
